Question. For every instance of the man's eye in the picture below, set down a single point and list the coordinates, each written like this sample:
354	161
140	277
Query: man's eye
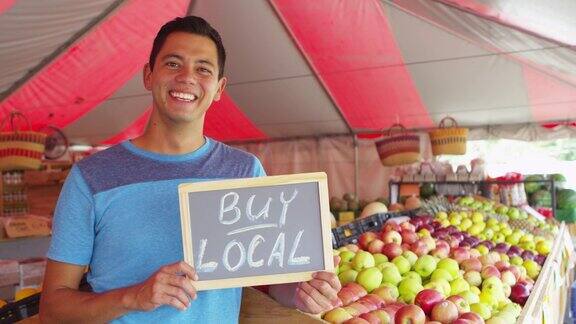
172	65
204	70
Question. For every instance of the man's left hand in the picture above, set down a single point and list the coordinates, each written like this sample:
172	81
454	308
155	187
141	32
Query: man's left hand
319	294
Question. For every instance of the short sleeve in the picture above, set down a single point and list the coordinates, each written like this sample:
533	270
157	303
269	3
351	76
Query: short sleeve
258	169
73	224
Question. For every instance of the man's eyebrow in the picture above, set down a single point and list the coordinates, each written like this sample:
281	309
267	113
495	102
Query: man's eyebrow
204	61
176	56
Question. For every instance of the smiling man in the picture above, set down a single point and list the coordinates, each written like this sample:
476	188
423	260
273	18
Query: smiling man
118	212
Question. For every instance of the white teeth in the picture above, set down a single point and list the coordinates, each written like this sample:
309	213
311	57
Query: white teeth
183	96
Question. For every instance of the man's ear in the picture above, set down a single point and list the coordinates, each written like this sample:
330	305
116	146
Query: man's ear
221	86
147	77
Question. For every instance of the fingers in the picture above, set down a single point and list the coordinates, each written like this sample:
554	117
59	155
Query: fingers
180	282
172	301
330	278
336	260
319	300
181	268
169	293
306	303
325	289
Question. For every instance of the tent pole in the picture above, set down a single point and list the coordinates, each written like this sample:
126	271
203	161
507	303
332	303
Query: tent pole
356	167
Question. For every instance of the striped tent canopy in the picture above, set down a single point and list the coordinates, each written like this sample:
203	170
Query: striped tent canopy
296	68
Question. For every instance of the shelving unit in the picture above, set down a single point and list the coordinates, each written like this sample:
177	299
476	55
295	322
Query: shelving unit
13	194
482	187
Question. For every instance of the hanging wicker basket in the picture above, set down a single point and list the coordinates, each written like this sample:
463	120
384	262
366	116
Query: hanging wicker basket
398	146
20	149
449	140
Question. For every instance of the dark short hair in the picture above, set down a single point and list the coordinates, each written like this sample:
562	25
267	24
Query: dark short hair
193	25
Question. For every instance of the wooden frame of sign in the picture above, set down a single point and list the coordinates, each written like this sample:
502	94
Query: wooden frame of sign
319	178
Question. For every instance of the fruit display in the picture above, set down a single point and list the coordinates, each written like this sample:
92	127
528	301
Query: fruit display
460	266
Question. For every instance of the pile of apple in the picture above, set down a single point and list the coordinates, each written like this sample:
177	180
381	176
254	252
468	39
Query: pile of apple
455	268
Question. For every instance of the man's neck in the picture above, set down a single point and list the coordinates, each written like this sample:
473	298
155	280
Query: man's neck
173	141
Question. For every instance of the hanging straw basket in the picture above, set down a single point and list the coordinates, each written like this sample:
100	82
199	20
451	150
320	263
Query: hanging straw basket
398	146
448	139
20	149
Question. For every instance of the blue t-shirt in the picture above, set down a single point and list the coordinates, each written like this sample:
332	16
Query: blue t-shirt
118	212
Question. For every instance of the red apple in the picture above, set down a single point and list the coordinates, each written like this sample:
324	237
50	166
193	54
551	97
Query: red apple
460	254
474	254
391	250
375	246
502	265
357	320
473	317
519	294
471	265
427	298
407	226
516	271
440	253
387	293
453	242
392	309
352	247
462	321
392	237
390	226
430	242
442	243
371	318
410	314
419	247
529	283
373	299
337	315
444	312
351	292
356	308
489	271
460	303
365	239
405	246
408	236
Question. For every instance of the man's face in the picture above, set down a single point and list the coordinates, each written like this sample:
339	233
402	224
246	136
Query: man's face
184	81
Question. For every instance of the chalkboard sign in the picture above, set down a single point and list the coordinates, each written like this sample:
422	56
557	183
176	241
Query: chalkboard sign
256	231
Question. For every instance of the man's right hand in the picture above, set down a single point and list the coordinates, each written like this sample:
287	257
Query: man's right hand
171	285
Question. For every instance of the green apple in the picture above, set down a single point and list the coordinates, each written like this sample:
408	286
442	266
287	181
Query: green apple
492	285
443	284
379	258
532	268
412	275
345	266
543	247
449	265
391	275
362	260
437	286
347	276
465	224
388	292
402	264
441	274
337	315
482	249
459	285
410	256
441	215
516	260
481	309
477	217
408	288
470	297
474	278
369	278
346	256
425	265
528	245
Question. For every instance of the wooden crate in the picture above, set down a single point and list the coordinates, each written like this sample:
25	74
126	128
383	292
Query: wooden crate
259	308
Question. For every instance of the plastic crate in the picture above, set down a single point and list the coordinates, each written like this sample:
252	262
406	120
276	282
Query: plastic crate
20	310
373	223
347	234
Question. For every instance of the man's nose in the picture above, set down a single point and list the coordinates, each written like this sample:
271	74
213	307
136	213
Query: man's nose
187	75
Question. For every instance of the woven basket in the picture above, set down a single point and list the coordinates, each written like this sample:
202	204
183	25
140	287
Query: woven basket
448	139
398	146
20	149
